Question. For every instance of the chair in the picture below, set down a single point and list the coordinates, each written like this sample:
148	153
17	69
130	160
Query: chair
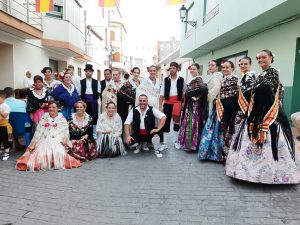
21	124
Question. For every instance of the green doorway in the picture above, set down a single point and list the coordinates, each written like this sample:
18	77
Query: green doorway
296	84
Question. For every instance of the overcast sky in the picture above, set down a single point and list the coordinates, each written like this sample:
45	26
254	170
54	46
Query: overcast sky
150	20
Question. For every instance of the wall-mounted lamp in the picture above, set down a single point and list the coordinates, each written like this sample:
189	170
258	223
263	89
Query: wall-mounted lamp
183	13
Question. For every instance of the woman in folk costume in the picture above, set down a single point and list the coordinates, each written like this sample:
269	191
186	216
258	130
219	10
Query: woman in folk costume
37	99
108	95
67	95
49	82
221	121
48	147
264	150
194	111
117	81
245	88
81	134
135	79
151	87
109	129
214	84
127	93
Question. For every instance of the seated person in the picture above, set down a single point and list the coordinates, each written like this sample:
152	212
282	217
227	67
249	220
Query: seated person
48	146
295	117
5	127
109	129
16	105
142	121
81	134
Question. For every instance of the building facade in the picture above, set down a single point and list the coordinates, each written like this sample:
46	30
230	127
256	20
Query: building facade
232	29
184	64
76	32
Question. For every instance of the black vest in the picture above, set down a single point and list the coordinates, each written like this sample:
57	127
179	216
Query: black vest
149	120
179	85
94	88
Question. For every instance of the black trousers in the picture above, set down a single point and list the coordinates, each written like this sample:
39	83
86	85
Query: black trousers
138	138
168	111
122	109
92	110
4	138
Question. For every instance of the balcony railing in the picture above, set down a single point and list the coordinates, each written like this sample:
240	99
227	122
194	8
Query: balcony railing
22	10
211	14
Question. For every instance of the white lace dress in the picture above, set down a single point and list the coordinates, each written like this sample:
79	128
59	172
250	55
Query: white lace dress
111	144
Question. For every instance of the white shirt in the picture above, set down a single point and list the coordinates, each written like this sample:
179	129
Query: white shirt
148	81
173	88
157	114
52	85
4	108
89	90
28	82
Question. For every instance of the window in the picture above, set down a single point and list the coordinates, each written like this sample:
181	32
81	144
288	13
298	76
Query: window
79	71
98	75
57	12
211	8
116	57
112	36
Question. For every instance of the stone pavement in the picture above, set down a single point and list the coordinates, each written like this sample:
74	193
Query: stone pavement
142	190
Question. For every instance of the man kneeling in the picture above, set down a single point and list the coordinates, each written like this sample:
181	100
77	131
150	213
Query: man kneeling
142	121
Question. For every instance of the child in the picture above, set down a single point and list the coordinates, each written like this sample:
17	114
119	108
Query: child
5	127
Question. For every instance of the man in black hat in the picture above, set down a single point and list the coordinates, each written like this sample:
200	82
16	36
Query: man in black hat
89	91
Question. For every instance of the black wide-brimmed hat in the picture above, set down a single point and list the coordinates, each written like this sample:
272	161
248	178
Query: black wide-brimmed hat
89	67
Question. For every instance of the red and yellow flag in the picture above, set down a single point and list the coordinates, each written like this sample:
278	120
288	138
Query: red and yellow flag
175	2
43	5
108	3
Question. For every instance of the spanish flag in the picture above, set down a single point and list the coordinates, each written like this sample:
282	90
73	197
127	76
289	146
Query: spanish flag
175	2
43	5
108	3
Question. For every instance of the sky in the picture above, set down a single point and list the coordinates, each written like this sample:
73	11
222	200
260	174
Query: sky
150	20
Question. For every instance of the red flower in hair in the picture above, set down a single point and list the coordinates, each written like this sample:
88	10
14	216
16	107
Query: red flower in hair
189	67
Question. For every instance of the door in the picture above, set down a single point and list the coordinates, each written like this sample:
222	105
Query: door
296	84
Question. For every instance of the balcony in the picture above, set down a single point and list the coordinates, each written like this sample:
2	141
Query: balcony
20	19
64	37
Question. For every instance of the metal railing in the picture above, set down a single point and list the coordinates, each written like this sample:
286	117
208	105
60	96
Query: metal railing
23	10
211	14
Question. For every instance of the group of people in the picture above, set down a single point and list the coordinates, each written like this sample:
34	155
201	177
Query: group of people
237	120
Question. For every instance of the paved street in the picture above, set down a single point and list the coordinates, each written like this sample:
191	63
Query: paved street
142	190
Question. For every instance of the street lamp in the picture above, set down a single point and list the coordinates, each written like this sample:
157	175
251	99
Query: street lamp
183	14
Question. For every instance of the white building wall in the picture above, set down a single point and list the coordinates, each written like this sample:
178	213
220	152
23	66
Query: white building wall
6	58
